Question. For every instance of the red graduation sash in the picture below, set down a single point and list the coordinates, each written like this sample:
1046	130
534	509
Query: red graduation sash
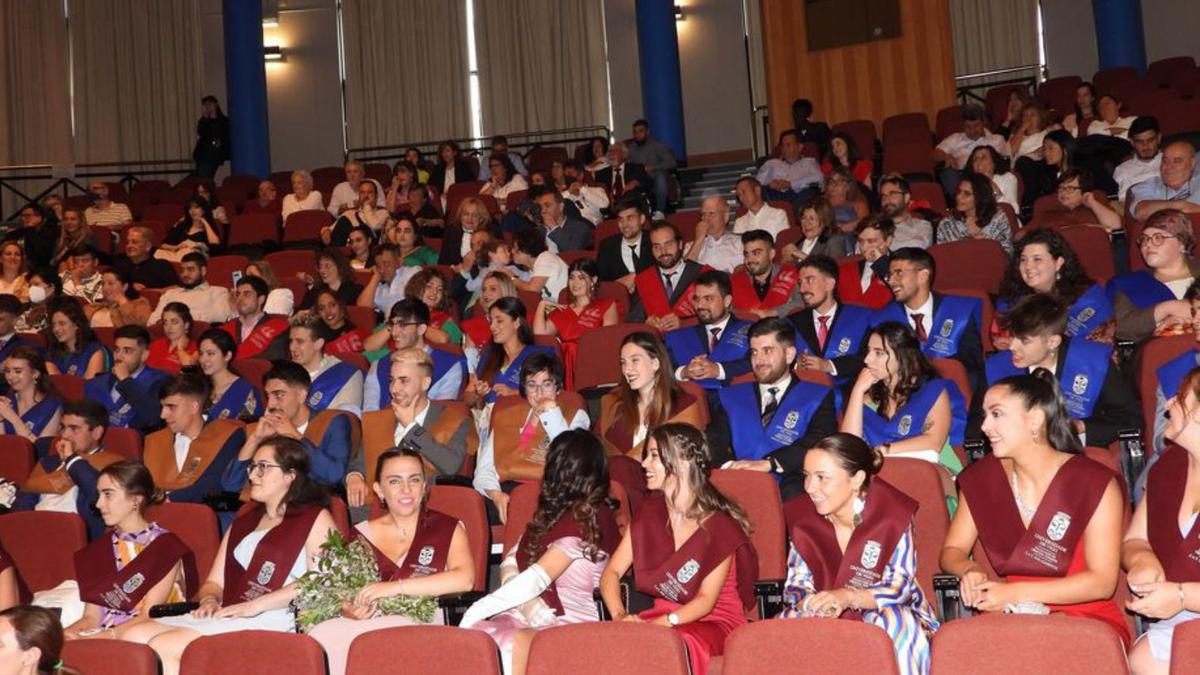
1179	555
427	553
101	583
269	328
1046	547
568	526
273	557
350	342
654	296
745	298
664	572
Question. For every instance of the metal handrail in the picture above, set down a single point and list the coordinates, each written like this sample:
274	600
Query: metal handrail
758	150
999	71
479	144
126	173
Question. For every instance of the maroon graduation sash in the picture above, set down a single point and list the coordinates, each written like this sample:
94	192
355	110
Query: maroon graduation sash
101	583
5	561
1046	547
746	298
427	553
568	526
664	572
272	559
887	516
1179	555
654	296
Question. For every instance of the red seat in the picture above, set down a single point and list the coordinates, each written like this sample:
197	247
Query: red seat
1000	644
103	237
467	506
949	121
379	172
16	458
571	256
758	495
513	201
1110	80
988	311
109	657
258	651
1059	93
42	545
1152	102
996	102
163	213
222	267
1161	71
605	229
357	360
1185	81
863	133
287	264
922	481
123	441
686	222
1094	249
1180	116
69	387
931	193
603	347
249	229
829	646
542	157
908	157
905	126
1185	647
253	370
362	317
196	525
1154	354
523	504
158	232
608	648
956	372
460	191
973	263
426	650
305	226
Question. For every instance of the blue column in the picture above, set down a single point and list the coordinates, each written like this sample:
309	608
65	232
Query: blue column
1119	37
658	57
246	88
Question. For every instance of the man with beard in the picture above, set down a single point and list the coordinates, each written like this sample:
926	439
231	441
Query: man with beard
1146	161
257	334
864	282
663	293
1177	185
894	196
712	352
130	391
834	334
768	425
208	303
761	287
621	256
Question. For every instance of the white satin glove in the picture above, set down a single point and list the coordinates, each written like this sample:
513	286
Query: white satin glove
520	589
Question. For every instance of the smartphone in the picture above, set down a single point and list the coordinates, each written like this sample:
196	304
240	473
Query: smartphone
237	276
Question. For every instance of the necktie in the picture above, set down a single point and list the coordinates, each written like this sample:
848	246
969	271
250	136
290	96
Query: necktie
716	337
633	256
919	324
669	283
772	405
823	332
618	181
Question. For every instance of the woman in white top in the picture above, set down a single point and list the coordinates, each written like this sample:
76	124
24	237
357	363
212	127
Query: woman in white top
303	197
505	180
12	270
1026	139
987	162
1110	122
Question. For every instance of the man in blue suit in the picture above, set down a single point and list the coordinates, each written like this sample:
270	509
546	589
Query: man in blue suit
714	351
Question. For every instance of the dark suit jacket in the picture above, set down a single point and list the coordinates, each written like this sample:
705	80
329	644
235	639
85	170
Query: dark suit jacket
452	243
611	262
573	235
462	174
633	171
847	366
691	270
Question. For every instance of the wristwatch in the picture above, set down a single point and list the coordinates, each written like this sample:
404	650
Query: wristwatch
673	619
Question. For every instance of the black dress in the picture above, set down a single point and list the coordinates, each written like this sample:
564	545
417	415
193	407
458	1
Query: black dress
212	145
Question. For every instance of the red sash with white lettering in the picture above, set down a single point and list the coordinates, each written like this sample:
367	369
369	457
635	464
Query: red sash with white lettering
1179	555
654	295
572	326
267	330
568	526
1046	547
273	557
887	516
427	553
350	342
745	298
101	583
664	572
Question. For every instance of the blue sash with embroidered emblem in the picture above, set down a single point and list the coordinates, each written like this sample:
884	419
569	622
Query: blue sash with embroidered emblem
103	390
37	417
327	385
511	376
1171	373
953	315
241	395
1081	377
685	344
909	420
1142	289
753	441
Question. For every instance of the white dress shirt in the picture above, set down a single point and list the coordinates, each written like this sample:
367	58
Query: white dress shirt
723	254
767	218
402	429
926	312
345	196
630	255
553	422
780	387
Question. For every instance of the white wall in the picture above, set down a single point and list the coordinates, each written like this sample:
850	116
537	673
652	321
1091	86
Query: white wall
1169	27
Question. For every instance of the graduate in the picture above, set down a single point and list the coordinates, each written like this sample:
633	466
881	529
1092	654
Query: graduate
258	335
833	334
582	312
32	408
406	326
1150	302
335	383
865	282
761	286
499	369
233	397
72	347
714	351
662	293
131	391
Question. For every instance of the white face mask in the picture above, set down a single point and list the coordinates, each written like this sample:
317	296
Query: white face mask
37	294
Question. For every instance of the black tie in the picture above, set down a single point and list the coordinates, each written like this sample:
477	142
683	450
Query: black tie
668	282
633	257
772	405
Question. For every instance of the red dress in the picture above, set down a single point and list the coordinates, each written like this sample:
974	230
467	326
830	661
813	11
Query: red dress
572	326
162	355
706	638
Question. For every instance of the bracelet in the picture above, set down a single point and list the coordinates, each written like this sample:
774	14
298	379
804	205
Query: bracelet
1182	597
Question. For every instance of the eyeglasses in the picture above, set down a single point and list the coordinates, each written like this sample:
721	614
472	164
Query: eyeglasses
1157	238
400	323
549	386
260	468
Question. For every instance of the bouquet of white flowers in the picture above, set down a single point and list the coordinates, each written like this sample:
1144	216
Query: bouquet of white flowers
342	570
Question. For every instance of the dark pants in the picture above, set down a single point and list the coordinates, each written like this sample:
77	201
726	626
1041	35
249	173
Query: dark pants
797	199
207	168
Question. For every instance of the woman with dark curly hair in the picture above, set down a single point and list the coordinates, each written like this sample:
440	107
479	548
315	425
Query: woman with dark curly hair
549	577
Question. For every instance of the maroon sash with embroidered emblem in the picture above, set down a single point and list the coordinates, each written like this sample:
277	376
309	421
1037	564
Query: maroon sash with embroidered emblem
568	526
427	553
273	557
101	583
1179	555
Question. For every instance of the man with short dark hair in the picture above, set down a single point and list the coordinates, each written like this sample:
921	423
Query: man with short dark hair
83	281
130	391
762	287
656	158
713	352
208	303
258	335
365	212
834	334
548	272
499	148
865	282
562	233
406	326
1146	160
144	270
894	197
791	177
759	214
955	150
663	293
807	130
335	383
104	211
388	279
188	458
621	256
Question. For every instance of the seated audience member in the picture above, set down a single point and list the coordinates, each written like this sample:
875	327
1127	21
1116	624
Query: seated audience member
985	161
335	383
955	149
821	236
686	523
1171	374
120	303
477	327
10	314
10	596
266	200
1150	302
359	242
334	273
406	328
71	346
662	294
388	280
1040	177
429	286
425	212
73	234
1027	135
848	202
1077	204
1157	552
348	194
83	281
515	447
144	269
713	352
1109	121
911	231
303	197
1037	480
340	334
328	435
434	560
205	190
762	287
1077	122
280	301
411	249
1096	396
104	211
32	407
1146	162
852	550
176	348
1044	262
865	282
549	578
32	636
790	177
582	312
263	554
473	217
656	158
497	257
147	564
208	303
53	205
548	272
61	483
13	269
561	232
843	153
38	234
767	425
256	334
622	256
451	168
414	156
366	211
808	130
405	179
946	326
595	154
1176	187
196	232
589	200
45	288
900	406
715	245
502	179
130	391
188	458
233	397
758	214
975	215
833	333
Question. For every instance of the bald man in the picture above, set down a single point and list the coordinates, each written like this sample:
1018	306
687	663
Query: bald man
715	245
1177	185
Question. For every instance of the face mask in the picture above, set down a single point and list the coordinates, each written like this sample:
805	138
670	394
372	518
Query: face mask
37	294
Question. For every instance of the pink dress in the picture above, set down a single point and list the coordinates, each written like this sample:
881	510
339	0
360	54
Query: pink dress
706	638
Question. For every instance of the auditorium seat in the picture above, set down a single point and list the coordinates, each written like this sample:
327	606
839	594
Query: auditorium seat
252	370
379	171
304	227
791	235
809	647
609	290
996	102
910	158
949	121
1110	80
69	387
758	495
123	441
1185	81
196	525
103	236
608	648
1058	93
602	367
922	481
953	370
685	222
932	194
1185	648
466	505
522	504
109	657
287	264
1151	102
513	200
973	263
16	458
42	545
863	133
1000	644
543	156
258	651
425	650
222	267
604	229
252	229
460	191
697	392
1094	249
1161	71
1180	116
904	127
168	213
1155	353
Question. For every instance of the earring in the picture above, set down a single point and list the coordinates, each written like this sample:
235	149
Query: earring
859	505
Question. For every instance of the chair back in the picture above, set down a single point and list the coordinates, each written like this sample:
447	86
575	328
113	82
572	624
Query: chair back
426	650
758	495
42	545
257	651
467	506
109	657
999	644
830	647
196	525
608	648
922	481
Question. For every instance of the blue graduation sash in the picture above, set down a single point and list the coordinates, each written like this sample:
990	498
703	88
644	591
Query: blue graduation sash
789	424
442	363
17	341
1089	312
241	395
327	385
953	315
1171	373
511	376
1142	289
685	344
37	417
847	332
909	420
102	389
76	364
1081	377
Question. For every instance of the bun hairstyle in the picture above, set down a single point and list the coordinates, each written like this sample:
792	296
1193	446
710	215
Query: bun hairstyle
135	479
39	627
677	443
1040	390
853	454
